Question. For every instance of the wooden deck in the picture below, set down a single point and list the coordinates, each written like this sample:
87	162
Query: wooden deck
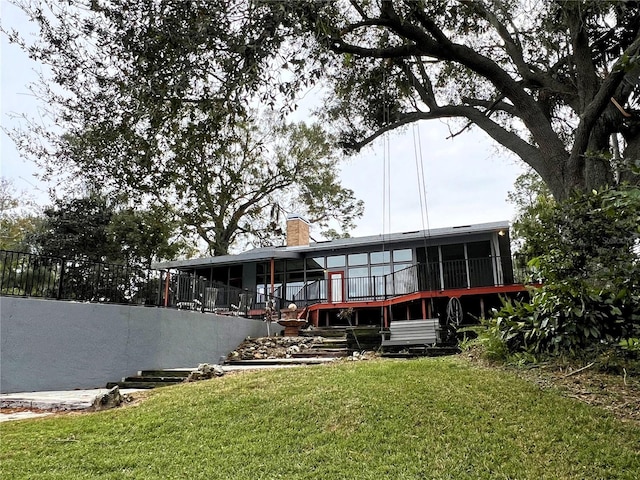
314	313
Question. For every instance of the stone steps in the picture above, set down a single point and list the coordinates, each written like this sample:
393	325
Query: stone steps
148	381
335	344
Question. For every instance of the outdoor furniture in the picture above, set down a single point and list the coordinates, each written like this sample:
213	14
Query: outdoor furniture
412	333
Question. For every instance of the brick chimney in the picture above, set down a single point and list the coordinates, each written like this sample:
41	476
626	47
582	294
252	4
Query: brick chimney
297	231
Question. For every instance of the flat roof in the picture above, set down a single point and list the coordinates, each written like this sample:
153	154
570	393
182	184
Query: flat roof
267	253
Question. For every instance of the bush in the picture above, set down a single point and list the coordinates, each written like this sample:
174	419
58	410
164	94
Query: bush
590	268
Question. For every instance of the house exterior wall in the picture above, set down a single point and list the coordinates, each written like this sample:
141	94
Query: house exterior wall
57	345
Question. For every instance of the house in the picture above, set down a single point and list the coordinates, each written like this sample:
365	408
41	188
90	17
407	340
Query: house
455	273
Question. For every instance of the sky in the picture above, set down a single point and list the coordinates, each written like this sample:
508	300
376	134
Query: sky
467	178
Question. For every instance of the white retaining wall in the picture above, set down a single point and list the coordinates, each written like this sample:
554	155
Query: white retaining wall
58	345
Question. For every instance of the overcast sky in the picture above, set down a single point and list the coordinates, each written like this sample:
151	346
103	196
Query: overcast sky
467	178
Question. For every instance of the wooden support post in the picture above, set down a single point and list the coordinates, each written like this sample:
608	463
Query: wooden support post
273	277
424	309
166	289
481	307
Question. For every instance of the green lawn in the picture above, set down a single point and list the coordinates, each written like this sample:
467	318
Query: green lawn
419	419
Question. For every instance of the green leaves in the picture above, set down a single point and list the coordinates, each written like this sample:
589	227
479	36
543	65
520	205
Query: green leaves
590	267
95	228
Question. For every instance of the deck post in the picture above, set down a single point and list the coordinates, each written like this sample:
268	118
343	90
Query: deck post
424	309
166	289
273	277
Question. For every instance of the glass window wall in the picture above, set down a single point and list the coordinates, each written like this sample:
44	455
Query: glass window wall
336	261
358	259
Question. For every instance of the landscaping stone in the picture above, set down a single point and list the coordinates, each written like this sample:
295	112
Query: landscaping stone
111	399
273	347
204	372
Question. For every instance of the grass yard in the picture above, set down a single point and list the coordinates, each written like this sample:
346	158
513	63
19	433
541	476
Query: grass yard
432	418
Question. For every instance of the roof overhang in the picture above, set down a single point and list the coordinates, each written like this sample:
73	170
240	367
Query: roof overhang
268	253
258	255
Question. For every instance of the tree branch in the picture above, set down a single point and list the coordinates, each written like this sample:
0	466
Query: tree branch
600	101
513	50
530	154
340	46
497	104
425	91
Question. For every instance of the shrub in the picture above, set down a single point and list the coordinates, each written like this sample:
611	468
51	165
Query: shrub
591	278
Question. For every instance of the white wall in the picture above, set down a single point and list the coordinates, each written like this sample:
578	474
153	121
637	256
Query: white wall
57	345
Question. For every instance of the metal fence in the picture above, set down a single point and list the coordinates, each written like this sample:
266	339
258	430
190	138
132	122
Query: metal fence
31	275
25	274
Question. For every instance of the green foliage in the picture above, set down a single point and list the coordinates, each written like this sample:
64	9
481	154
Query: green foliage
630	344
489	338
533	202
590	268
93	228
147	235
150	94
77	228
159	110
18	217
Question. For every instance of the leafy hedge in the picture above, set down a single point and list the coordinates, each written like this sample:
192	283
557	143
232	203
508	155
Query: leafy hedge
589	265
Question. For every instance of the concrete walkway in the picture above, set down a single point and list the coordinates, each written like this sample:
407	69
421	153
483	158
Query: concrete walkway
16	406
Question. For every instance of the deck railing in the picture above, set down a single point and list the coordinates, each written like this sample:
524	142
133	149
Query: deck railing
25	274
435	276
29	275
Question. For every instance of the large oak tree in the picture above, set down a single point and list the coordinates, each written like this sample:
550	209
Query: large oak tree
552	81
555	82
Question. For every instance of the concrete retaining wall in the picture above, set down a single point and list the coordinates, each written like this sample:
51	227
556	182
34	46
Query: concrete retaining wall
56	345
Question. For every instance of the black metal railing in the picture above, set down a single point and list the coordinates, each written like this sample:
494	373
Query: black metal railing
187	291
25	274
434	276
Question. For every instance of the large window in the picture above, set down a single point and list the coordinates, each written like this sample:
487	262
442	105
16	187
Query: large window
335	261
404	255
380	257
358	259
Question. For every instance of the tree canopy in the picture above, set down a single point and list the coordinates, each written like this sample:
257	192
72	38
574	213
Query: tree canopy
96	229
19	218
555	82
551	81
156	101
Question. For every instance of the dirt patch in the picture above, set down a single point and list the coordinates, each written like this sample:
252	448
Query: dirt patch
617	393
